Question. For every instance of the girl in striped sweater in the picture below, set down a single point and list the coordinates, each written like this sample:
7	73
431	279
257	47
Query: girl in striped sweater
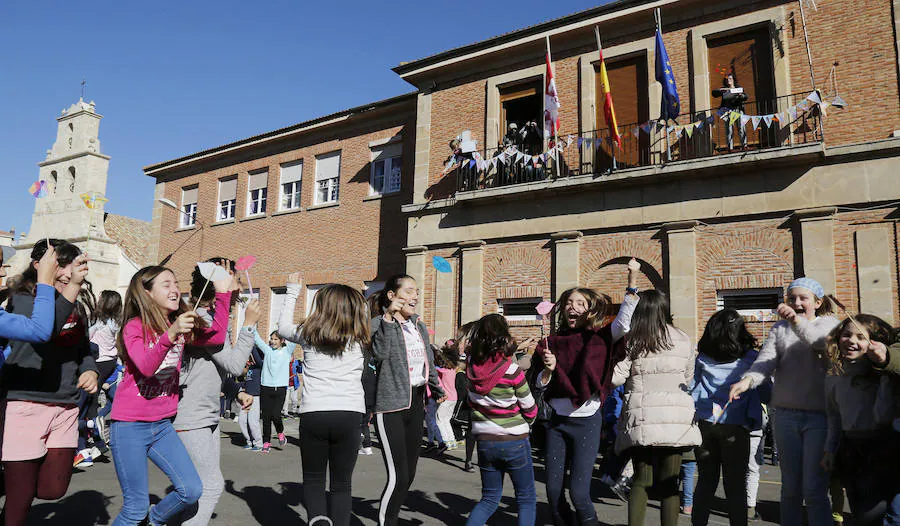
502	411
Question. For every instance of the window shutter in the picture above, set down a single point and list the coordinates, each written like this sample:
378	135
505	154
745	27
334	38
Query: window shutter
387	151
227	190
328	166
258	180
189	195
291	172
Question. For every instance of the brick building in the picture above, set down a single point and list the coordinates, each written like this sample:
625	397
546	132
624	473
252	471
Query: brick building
805	193
322	197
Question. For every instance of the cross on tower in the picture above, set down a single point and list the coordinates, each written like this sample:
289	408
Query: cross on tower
83	82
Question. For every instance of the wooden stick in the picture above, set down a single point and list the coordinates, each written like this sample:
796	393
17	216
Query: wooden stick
249	285
201	295
862	331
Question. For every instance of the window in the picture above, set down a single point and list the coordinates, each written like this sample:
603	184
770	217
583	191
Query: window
760	304
328	177
311	291
257	189
629	85
276	301
188	206
241	307
522	104
386	167
227	199
291	174
519	309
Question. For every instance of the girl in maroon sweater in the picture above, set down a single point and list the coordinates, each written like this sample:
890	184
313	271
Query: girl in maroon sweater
578	364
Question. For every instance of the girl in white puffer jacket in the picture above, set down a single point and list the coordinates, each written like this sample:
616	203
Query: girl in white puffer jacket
657	421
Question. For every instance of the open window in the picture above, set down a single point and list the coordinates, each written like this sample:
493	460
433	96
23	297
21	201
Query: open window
748	56
629	86
754	304
522	104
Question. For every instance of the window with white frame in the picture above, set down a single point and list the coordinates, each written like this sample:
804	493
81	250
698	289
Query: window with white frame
328	177
291	175
227	199
241	306
257	190
276	302
758	304
188	206
311	291
519	309
386	168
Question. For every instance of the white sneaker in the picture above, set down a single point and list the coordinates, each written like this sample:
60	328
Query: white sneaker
95	453
365	451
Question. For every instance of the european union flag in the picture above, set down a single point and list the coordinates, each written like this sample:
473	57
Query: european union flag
670	102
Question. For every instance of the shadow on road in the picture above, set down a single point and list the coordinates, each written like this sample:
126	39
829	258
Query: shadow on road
83	508
270	507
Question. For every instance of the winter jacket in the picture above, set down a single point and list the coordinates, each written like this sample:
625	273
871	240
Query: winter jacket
893	357
394	392
658	410
712	387
48	372
861	402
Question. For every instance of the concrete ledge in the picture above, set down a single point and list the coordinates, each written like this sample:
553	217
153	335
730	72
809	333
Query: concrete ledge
288	211
253	217
323	205
430	205
789	154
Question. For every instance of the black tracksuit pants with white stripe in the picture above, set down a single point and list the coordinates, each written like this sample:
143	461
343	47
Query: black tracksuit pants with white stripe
400	435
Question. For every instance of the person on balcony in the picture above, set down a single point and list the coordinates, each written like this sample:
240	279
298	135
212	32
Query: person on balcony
733	98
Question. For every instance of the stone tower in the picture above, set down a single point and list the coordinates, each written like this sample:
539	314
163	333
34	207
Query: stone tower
74	166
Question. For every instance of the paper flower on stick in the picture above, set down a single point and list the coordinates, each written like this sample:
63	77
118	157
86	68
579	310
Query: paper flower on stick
212	272
441	265
245	263
543	308
38	189
93	199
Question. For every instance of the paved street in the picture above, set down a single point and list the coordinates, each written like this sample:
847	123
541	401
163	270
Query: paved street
266	489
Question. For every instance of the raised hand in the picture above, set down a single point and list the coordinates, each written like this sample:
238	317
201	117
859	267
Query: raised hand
877	353
786	312
183	324
225	284
295	278
48	267
79	270
549	360
251	313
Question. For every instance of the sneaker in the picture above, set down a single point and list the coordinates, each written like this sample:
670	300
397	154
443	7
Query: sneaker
606	479
83	459
468	467
102	429
365	451
248	446
282	440
430	447
441	449
621	488
752	514
266	447
95	452
686	510
255	448
452	446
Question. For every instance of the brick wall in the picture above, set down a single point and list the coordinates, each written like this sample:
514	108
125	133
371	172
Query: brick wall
520	269
359	240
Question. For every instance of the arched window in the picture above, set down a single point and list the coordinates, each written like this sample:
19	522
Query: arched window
54	180
67	185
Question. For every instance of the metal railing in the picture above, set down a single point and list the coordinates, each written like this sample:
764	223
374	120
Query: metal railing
711	133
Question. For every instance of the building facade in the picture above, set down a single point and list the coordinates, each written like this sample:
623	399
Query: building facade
321	197
812	189
723	204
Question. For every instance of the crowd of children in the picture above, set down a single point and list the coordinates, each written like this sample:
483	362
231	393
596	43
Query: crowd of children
147	375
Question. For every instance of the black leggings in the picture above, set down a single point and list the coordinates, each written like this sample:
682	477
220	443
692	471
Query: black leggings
400	435
725	449
271	400
329	440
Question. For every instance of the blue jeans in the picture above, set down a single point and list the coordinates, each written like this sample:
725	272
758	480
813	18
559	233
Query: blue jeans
495	458
132	443
572	443
432	430
800	436
688	470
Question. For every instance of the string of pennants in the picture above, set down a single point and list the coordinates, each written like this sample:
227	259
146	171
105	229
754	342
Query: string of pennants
512	155
731	117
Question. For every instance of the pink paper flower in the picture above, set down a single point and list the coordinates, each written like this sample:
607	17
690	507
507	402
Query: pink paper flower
245	263
543	308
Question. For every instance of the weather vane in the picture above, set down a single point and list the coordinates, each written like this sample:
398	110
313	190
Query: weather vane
83	82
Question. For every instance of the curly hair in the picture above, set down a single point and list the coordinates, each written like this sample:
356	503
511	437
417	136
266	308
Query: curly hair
878	331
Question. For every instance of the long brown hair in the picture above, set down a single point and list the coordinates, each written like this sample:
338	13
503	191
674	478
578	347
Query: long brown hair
649	325
878	329
139	304
596	315
339	317
66	253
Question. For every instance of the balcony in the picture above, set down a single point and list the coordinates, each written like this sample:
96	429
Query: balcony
774	125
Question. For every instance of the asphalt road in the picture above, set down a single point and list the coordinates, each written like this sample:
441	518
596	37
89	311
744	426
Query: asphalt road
267	490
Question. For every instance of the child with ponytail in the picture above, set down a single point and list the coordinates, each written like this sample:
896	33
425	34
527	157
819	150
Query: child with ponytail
157	327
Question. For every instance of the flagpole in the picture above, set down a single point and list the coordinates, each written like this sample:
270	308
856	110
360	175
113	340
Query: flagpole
611	131
555	156
658	17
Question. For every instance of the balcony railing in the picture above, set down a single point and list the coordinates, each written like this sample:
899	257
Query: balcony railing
765	125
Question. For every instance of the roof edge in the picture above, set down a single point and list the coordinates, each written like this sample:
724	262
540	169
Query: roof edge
409	67
155	170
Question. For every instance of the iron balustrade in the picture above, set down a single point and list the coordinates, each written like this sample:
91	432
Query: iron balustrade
648	144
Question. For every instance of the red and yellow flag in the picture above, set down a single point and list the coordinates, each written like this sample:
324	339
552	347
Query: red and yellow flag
609	111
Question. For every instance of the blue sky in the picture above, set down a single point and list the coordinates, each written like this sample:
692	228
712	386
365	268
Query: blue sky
171	78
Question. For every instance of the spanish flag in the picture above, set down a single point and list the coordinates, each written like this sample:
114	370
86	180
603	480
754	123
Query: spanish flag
609	111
